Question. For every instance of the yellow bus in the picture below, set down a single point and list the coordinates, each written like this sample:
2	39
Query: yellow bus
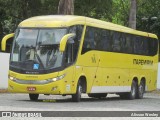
71	55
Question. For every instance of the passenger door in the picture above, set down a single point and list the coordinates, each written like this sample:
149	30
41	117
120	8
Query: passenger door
69	68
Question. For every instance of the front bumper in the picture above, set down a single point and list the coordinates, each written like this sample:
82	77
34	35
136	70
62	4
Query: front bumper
50	88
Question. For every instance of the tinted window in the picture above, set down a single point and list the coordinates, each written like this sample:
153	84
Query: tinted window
107	40
116	44
77	29
153	46
89	42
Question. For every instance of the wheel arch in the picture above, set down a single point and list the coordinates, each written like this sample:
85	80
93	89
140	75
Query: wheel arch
135	79
143	79
83	82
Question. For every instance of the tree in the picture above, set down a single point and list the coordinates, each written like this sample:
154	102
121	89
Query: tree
148	10
132	15
120	13
66	7
99	9
12	12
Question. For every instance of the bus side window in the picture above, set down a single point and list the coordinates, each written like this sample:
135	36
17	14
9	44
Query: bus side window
105	40
129	43
98	38
141	46
111	33
69	54
153	46
136	45
123	43
77	29
145	46
116	42
9	45
89	42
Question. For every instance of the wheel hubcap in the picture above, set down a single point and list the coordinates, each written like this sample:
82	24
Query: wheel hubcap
133	91
140	90
80	90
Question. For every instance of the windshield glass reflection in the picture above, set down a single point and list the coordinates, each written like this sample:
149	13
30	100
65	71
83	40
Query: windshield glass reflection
37	48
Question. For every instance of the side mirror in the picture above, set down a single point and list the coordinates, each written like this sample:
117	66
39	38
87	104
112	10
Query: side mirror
4	41
64	40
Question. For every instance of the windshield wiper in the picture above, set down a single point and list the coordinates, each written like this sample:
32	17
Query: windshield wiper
33	52
39	59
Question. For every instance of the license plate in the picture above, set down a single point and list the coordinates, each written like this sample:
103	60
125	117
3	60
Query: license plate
31	88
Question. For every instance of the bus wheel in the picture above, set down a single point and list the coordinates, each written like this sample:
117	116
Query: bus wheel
77	97
141	90
97	95
132	94
33	97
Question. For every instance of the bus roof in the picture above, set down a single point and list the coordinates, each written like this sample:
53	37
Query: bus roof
49	21
52	21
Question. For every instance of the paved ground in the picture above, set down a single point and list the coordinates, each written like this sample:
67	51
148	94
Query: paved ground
21	102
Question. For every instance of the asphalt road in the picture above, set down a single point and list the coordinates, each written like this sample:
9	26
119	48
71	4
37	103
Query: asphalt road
151	102
21	102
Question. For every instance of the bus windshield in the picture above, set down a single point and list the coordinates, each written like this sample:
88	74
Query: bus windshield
35	49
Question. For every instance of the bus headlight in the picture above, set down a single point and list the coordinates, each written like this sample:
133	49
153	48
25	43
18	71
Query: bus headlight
57	78
38	82
11	78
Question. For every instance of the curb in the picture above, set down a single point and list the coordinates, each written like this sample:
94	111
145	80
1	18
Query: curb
3	90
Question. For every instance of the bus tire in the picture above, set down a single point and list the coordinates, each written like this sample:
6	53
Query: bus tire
97	95
141	90
77	97
33	97
132	94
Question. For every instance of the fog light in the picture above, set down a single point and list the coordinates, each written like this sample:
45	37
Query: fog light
54	88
